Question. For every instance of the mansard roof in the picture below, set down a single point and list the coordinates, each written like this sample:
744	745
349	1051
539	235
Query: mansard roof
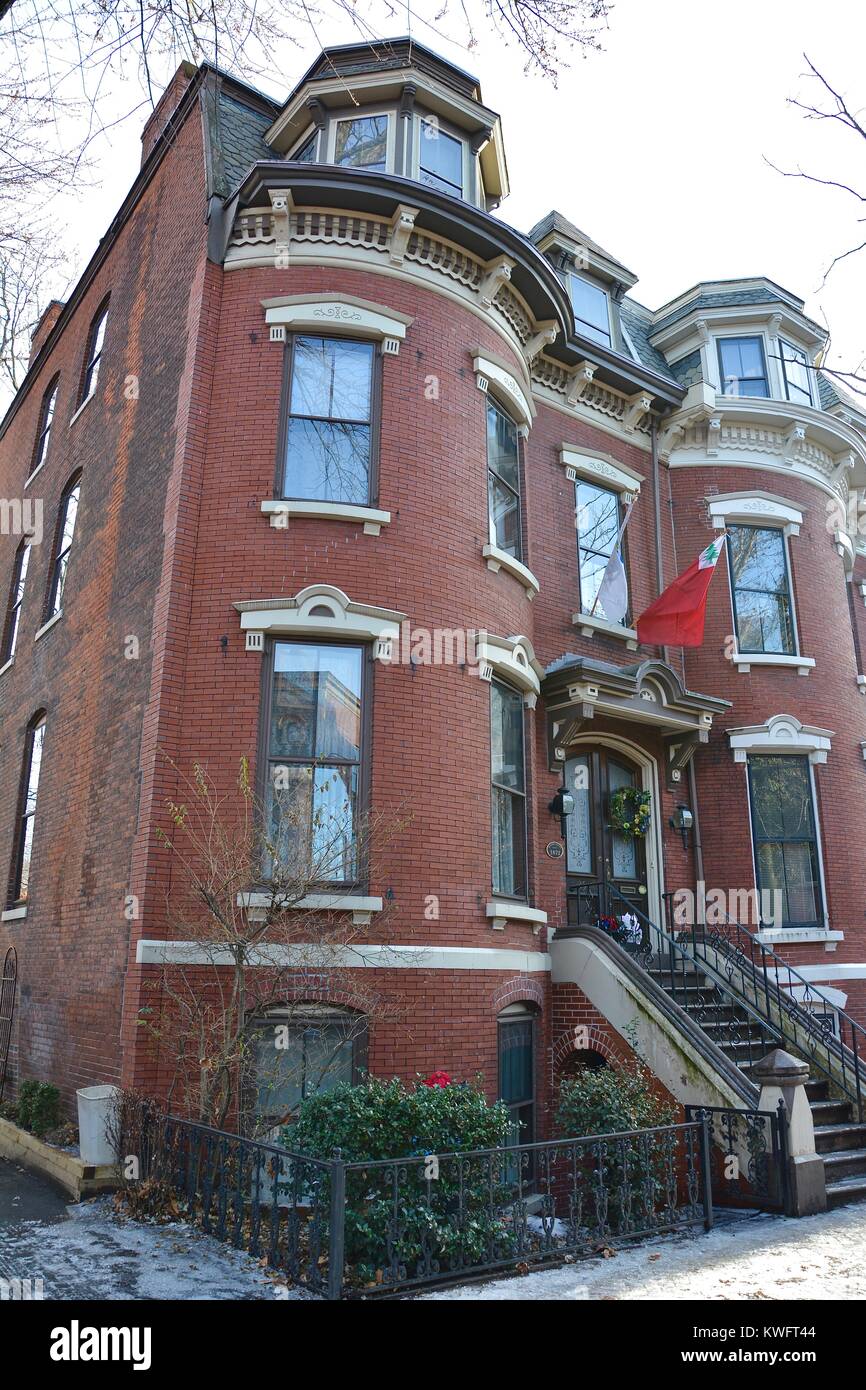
734	294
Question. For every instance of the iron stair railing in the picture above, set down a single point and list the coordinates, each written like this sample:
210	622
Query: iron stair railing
748	974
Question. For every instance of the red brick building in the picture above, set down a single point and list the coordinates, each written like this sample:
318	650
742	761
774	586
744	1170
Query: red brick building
321	465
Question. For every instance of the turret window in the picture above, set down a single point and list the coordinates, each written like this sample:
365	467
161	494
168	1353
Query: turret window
440	159
743	367
362	143
795	372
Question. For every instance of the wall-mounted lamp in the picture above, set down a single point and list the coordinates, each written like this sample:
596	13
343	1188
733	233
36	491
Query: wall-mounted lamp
683	821
562	805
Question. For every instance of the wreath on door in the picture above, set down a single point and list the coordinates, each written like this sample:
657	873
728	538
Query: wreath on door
630	812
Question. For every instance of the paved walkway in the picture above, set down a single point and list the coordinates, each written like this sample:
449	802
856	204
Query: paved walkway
743	1257
84	1252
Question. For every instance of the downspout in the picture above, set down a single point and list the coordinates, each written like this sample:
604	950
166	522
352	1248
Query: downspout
660	583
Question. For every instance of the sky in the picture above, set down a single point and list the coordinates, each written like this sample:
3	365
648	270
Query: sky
659	146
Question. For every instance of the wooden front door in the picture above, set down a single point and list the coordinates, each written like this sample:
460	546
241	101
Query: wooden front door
594	853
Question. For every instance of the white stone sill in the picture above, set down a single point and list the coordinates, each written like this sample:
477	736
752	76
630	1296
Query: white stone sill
6	665
361	908
46	627
744	661
85	402
371	518
790	936
29	480
13	914
499	559
500	911
589	624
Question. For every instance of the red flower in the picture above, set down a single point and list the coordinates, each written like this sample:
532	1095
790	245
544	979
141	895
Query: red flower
437	1078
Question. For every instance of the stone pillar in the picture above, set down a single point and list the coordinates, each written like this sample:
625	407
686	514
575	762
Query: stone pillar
782	1077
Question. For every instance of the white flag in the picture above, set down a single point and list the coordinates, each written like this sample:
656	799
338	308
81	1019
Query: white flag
613	590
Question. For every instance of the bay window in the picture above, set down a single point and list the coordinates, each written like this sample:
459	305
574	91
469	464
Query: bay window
785	838
315	745
503	480
328	430
362	143
508	778
761	589
440	159
795	373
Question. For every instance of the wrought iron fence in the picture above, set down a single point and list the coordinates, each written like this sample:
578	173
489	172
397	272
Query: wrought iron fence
360	1229
748	1155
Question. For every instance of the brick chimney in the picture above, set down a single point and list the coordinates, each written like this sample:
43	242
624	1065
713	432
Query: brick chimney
166	107
44	326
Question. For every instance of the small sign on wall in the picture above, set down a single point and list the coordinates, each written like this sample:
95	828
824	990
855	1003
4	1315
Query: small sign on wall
554	850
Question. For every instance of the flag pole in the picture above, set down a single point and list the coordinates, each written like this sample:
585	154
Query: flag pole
617	544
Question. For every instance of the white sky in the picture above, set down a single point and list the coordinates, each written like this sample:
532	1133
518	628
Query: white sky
655	146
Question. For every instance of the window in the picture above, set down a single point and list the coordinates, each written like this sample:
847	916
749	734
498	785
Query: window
795	371
305	1051
95	339
65	534
20	880
440	159
591	310
315	745
307	152
516	1048
598	523
16	597
761	590
362	143
46	415
503	477
742	366
509	791
328	433
786	846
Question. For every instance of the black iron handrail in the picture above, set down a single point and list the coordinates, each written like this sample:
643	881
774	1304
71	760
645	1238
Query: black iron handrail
731	962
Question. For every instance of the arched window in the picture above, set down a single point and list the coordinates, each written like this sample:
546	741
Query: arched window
304	1049
516	1027
43	434
63	545
19	884
16	598
93	354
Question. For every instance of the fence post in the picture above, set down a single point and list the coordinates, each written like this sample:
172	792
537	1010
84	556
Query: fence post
337	1226
706	1166
783	1078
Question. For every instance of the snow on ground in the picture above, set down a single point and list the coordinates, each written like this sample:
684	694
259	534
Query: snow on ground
749	1256
85	1252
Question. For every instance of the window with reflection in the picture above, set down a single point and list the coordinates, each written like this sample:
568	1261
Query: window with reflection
598	521
306	154
16	599
591	309
516	1049
315	737
795	372
508	791
743	367
20	877
362	143
440	159
761	590
302	1052
328	430
503	478
93	354
46	417
786	844
63	547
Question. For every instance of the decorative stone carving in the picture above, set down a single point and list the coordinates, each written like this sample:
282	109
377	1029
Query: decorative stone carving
402	226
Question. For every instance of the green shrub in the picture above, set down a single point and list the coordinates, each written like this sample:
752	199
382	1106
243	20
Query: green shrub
453	1219
38	1107
607	1101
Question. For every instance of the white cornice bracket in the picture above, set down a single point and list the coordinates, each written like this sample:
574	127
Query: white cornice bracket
545	333
637	407
402	227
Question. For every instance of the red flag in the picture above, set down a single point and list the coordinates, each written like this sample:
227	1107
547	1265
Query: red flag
676	619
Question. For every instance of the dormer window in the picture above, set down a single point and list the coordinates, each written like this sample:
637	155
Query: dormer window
362	143
795	373
743	367
591	310
440	159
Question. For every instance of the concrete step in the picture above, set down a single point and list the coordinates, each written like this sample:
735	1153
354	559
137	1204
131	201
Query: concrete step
817	1090
830	1112
737	1029
844	1163
846	1190
831	1138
